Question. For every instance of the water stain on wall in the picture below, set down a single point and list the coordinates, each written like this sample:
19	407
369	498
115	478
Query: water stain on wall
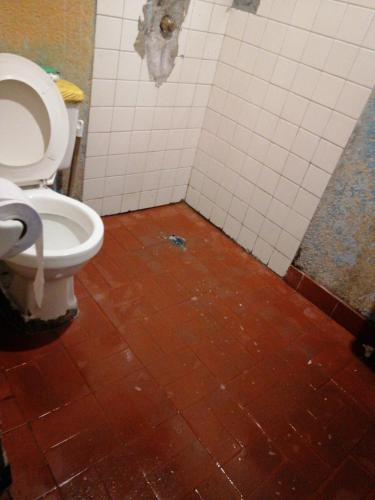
53	33
338	250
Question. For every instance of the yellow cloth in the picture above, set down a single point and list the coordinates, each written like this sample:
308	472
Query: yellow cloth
69	91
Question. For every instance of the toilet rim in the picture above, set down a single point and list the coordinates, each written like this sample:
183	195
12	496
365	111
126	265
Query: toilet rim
20	69
59	204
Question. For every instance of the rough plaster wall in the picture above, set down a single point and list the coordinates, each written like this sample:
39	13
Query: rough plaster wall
53	33
338	250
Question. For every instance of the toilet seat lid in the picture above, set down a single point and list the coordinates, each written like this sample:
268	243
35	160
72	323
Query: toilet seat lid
34	125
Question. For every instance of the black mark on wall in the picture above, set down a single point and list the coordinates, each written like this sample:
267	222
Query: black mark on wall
247	5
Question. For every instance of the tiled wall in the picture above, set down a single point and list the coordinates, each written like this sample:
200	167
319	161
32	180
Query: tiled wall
142	140
289	88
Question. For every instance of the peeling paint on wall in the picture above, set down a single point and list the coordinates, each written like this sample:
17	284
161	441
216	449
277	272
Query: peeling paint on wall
338	250
247	5
158	35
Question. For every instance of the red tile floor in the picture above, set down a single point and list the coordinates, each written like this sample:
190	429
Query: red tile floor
193	374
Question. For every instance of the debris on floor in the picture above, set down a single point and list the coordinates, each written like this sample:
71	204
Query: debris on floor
177	241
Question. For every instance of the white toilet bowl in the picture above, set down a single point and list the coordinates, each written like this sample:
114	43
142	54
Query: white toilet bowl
34	132
72	234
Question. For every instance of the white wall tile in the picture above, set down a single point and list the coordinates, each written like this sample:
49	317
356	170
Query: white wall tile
110	7
363	70
341	58
279	263
107	32
328	90
305	13
103	92
327	155
329	17
305	144
316	180
295	168
286	191
100	119
339	129
353	99
355	24
105	63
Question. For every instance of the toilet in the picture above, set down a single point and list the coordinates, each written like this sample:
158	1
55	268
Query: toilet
34	136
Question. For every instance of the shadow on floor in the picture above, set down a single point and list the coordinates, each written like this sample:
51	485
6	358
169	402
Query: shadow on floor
364	344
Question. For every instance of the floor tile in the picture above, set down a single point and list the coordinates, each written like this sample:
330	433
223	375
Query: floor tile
190	373
304	462
364	451
5	391
323	440
211	432
218	487
252	466
23	451
33	483
96	349
92	319
86	485
225	361
182	474
358	380
162	443
191	388
31	475
46	383
125	238
126	302
93	280
69	420
170	368
349	481
286	483
141	343
110	369
254	382
113	274
17	348
80	452
11	415
134	404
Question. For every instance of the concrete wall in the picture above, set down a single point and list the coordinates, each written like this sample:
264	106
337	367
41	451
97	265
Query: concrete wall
338	250
290	85
53	33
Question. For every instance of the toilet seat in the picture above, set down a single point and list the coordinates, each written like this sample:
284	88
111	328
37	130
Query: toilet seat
37	110
34	133
63	218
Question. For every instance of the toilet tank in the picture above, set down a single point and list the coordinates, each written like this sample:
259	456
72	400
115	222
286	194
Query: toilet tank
75	130
73	97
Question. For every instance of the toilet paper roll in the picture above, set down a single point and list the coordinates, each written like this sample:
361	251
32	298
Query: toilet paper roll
15	205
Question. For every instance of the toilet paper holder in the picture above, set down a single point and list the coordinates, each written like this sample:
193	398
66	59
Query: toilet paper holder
10	232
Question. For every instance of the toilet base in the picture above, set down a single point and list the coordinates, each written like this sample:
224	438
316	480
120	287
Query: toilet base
59	300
